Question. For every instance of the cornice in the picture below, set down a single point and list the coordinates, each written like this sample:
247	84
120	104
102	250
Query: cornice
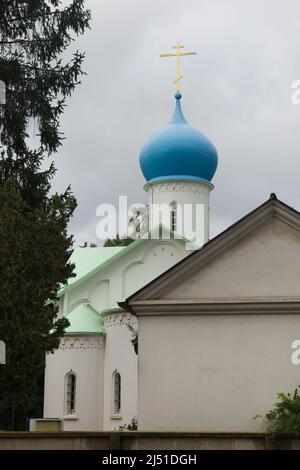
194	307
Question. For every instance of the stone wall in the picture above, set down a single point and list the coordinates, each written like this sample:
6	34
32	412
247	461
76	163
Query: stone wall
144	441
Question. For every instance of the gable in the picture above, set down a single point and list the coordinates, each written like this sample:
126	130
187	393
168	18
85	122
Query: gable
264	264
258	258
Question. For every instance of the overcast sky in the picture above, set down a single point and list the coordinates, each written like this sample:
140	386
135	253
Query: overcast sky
237	91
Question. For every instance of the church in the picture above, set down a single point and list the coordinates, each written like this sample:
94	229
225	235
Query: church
174	332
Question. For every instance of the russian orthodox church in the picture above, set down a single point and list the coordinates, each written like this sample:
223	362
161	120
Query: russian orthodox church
174	338
91	380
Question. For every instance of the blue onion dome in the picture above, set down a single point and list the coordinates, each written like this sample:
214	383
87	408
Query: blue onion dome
178	152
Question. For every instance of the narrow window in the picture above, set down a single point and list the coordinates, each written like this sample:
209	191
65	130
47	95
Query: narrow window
116	393
70	393
173	214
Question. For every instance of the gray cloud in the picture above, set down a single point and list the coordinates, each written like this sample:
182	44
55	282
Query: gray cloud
237	91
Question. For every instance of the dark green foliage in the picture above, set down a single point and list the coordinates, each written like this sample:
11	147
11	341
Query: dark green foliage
284	417
133	426
34	243
33	35
89	245
118	241
34	248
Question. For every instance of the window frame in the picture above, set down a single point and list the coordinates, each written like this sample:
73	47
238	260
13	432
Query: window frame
116	393
173	216
70	393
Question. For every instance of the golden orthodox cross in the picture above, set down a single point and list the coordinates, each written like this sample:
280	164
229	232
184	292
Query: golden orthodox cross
178	54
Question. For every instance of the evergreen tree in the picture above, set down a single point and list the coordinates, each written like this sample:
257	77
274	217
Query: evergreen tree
33	35
34	244
118	241
34	248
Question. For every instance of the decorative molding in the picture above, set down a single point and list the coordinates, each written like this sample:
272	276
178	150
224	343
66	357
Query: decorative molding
120	319
195	307
69	342
181	187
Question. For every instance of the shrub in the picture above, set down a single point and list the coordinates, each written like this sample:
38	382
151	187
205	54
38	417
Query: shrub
284	417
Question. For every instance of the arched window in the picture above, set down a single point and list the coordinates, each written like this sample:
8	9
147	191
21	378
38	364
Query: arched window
70	393
173	216
116	395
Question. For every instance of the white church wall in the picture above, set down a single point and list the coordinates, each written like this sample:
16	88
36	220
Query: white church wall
181	192
110	285
84	355
98	295
133	271
120	356
157	258
75	296
213	373
218	368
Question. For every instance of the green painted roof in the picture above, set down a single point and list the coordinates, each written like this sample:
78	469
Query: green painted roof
85	319
90	260
87	259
